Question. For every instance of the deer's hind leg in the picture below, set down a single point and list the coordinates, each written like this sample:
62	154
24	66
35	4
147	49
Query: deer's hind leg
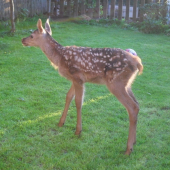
129	90
69	97
120	91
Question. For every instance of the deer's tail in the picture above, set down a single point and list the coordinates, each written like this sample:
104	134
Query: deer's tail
140	66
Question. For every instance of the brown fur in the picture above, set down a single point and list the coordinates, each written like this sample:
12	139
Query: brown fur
113	67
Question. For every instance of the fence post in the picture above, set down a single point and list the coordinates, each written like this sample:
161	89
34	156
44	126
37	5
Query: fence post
97	9
141	12
75	8
105	8
120	9
82	7
55	11
164	13
48	7
112	9
127	9
31	7
168	12
61	8
134	9
69	8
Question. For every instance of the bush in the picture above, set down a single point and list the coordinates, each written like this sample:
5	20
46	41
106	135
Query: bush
154	18
153	26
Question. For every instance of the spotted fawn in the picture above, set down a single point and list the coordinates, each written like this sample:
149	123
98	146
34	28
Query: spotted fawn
112	67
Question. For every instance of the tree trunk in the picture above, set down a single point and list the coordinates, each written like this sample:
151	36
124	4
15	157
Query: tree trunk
12	16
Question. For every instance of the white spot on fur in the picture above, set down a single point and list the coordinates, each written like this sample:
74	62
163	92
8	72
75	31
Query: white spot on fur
75	57
79	60
118	69
119	63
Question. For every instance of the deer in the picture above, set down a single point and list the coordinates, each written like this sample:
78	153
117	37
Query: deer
113	67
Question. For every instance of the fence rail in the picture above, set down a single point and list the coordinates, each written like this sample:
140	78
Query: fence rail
74	8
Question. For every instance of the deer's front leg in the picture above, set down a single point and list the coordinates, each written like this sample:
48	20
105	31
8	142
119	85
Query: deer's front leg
69	98
79	92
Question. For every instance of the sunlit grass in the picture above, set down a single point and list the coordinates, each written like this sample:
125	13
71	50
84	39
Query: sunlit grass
32	98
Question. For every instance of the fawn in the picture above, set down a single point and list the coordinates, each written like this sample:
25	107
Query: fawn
112	67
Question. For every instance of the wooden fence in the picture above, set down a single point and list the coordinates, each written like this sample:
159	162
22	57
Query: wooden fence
73	8
33	6
110	8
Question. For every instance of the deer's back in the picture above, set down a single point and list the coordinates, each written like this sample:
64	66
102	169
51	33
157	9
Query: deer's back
96	64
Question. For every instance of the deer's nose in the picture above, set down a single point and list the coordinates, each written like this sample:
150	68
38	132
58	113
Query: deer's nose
23	42
23	39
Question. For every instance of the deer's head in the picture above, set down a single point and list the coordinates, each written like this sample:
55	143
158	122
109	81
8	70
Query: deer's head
39	36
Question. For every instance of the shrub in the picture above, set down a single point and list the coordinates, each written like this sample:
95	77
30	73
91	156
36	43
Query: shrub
154	18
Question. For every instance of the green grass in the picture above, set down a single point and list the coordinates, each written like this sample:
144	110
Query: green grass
32	97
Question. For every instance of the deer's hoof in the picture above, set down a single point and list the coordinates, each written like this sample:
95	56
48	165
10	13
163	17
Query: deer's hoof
60	124
128	151
78	132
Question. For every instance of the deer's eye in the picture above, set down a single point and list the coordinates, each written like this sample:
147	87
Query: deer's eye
31	36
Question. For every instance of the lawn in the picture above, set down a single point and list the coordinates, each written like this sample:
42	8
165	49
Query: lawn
32	98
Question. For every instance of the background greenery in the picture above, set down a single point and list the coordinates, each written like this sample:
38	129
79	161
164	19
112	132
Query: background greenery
32	97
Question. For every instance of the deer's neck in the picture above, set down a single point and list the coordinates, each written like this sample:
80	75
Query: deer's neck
52	50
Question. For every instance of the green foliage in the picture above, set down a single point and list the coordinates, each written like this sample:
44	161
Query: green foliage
154	19
4	24
102	22
22	14
147	26
32	98
154	11
101	10
153	26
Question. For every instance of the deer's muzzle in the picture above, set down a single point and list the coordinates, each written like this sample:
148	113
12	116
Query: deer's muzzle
24	42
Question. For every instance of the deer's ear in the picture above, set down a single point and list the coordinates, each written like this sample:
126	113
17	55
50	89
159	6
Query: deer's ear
39	26
47	27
